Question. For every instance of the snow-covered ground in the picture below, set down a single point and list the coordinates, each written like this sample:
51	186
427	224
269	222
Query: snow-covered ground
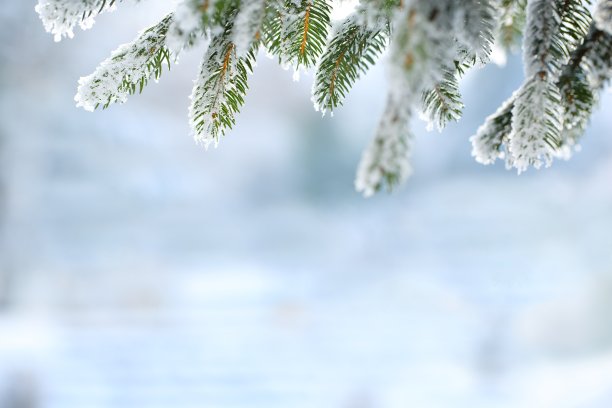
141	271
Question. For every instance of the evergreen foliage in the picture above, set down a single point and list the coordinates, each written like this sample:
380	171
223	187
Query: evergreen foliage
61	16
567	55
442	103
512	14
220	89
386	161
128	69
352	50
297	31
603	16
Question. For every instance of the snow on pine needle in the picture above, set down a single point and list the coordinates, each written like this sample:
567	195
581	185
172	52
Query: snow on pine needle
376	15
297	31
536	124
541	50
353	48
442	103
198	19
188	25
595	58
421	47
474	25
248	24
581	81
603	15
219	91
435	44
552	29
127	70
59	17
488	142
537	113
386	162
511	16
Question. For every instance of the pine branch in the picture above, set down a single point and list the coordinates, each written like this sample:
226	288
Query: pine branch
442	103
475	28
603	15
220	89
422	49
579	102
192	19
248	25
575	22
512	15
583	78
386	162
487	143
594	56
127	70
59	17
297	32
199	18
537	120
350	53
474	23
376	15
554	27
541	46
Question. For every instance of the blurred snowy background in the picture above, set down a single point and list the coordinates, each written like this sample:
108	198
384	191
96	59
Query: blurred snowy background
138	270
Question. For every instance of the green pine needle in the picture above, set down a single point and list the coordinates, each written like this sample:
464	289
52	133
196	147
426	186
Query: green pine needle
219	93
297	32
350	53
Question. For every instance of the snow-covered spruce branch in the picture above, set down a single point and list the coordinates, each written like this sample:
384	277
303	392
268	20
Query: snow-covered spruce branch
431	44
582	79
61	16
490	141
603	15
386	162
192	17
536	123
475	28
442	103
220	89
248	24
354	47
421	47
473	23
376	15
297	31
127	70
195	19
594	57
511	17
553	29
